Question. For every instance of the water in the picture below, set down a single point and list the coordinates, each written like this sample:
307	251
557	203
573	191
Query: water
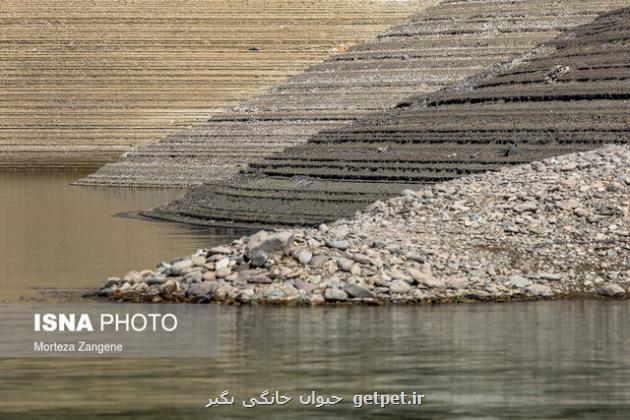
565	359
59	238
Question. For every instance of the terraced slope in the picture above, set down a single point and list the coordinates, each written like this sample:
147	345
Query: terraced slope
81	82
433	49
570	95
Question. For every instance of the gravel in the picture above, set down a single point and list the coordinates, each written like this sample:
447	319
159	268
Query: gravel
498	236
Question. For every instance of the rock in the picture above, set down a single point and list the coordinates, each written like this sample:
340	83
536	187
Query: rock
222	273
345	264
193	277
318	261
519	282
414	256
337	244
317	299
408	193
219	250
356	291
304	286
154	280
270	242
199	260
425	277
274	295
568	205
258	258
539	290
209	276
111	281
259	279
611	290
178	268
200	291
549	276
221	264
360	258
457	283
303	256
399	286
169	287
335	295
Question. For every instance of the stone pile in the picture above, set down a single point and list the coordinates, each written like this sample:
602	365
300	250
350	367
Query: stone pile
549	229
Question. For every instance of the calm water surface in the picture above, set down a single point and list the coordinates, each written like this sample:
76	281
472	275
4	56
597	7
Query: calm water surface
560	360
59	238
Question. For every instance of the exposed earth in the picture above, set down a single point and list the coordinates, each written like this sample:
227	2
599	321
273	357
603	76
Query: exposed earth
82	82
564	96
550	229
435	48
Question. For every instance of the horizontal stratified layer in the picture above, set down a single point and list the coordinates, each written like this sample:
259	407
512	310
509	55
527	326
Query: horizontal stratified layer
570	95
433	49
82	82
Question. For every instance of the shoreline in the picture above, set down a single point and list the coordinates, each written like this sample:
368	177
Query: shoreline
545	230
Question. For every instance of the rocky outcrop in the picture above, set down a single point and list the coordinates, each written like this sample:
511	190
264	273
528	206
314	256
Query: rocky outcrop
551	229
83	82
442	45
564	96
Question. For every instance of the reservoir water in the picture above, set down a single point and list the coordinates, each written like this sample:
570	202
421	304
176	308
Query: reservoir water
561	360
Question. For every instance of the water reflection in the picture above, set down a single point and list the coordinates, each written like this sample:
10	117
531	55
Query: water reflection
550	359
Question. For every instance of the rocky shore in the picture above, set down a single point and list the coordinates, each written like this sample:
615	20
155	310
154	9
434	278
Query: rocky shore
550	229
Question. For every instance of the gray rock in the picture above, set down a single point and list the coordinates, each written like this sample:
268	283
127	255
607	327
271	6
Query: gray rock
199	291
178	268
258	258
356	291
550	276
219	250
539	290
335	295
399	286
456	283
611	290
345	264
318	261
270	242
274	295
111	281
199	260
259	279
303	286
193	277
221	264
519	281
414	256
338	244
303	256
360	258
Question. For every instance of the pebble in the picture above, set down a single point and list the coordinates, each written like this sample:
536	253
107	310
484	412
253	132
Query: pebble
399	286
523	232
338	244
356	291
335	295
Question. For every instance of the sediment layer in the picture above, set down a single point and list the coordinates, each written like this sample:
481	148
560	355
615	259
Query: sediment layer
551	229
433	49
566	96
82	82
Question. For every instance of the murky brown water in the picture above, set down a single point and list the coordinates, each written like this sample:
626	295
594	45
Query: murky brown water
58	238
561	360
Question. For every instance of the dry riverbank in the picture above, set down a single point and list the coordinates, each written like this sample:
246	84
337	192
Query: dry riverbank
440	46
83	82
548	229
